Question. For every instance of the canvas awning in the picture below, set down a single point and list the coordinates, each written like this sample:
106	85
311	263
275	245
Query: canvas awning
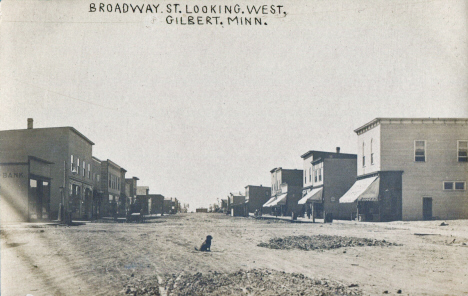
267	204
313	195
363	190
279	201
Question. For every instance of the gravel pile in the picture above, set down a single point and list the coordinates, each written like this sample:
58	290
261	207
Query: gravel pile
322	242
255	282
134	287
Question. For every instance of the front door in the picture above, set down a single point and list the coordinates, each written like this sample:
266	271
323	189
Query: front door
427	208
39	199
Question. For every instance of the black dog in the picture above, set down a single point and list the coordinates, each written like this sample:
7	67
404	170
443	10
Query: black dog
206	245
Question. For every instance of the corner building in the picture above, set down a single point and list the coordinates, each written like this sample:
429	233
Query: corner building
411	169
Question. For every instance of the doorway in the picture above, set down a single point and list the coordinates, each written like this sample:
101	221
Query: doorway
427	208
39	199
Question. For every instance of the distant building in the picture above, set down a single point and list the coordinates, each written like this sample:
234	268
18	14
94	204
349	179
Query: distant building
167	205
411	169
142	200
112	185
98	193
131	185
327	176
68	155
156	203
237	205
224	205
256	197
201	210
286	190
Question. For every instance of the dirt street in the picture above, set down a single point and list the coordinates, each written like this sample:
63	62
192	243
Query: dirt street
248	257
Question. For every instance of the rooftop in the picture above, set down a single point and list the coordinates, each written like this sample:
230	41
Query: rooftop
409	120
72	129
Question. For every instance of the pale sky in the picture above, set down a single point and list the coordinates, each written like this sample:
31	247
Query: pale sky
199	111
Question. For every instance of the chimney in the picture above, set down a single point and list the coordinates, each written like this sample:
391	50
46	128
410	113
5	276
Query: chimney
30	123
337	149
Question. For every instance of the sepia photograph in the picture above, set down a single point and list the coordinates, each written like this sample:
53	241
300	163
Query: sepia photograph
300	147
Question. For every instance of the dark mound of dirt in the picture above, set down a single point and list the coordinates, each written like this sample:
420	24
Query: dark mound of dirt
254	282
322	242
142	286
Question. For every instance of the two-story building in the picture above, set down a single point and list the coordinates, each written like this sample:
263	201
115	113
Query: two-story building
131	191
327	176
113	201
256	197
97	187
411	169
286	191
68	154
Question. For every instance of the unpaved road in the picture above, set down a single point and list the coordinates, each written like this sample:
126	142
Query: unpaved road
101	258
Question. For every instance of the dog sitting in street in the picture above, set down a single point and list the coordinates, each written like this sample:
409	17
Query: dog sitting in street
206	245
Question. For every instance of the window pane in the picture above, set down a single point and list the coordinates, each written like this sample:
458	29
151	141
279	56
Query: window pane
460	185
448	185
32	183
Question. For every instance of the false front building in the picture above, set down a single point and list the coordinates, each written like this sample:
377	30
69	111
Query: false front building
256	197
286	190
327	176
411	169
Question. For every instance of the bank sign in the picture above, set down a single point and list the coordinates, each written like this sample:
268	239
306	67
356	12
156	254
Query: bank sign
13	175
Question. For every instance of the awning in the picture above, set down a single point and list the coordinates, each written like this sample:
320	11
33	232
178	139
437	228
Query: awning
280	201
267	204
363	190
313	195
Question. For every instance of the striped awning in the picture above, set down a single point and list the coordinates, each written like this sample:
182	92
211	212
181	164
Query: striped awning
267	204
362	190
279	201
313	195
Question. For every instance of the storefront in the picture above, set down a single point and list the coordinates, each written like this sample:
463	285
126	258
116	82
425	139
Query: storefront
377	196
25	190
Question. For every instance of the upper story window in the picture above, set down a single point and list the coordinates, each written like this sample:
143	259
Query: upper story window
363	154
462	151
310	174
305	176
78	166
89	171
72	162
84	168
318	171
371	151
420	151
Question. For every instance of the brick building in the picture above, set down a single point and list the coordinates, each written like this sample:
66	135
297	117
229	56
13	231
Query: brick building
67	153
